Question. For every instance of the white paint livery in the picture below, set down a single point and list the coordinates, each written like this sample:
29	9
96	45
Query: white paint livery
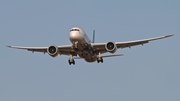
82	47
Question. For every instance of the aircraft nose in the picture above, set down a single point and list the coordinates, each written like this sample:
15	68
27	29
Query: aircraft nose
74	36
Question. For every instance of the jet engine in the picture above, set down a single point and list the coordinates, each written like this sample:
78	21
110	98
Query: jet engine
52	51
111	47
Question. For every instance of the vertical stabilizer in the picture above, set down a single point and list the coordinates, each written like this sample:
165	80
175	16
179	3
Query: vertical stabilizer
93	40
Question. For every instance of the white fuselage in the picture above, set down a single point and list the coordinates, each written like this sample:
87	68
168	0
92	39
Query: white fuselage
82	44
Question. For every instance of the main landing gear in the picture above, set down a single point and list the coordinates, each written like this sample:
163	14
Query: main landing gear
71	60
99	59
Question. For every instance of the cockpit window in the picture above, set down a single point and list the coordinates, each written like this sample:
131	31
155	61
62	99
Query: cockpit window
74	29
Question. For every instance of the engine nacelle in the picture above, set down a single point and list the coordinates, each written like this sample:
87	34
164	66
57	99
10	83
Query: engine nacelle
111	47
53	51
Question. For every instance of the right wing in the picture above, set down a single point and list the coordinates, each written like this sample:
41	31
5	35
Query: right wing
64	50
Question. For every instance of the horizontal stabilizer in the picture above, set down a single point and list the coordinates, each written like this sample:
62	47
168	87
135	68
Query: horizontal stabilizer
77	58
106	56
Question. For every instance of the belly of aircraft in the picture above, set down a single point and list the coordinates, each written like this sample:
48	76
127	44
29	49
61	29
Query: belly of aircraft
84	51
87	56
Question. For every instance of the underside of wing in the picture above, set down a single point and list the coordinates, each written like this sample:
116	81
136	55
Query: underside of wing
33	49
64	50
101	47
138	42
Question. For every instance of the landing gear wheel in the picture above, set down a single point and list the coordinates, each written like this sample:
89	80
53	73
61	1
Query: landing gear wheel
99	59
71	62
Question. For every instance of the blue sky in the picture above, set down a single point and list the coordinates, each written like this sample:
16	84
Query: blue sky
144	73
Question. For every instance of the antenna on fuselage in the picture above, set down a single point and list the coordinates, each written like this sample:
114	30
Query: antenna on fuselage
93	40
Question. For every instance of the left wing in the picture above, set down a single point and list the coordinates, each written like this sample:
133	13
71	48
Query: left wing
65	50
100	47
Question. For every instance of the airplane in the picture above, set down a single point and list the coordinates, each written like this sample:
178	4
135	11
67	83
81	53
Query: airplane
83	48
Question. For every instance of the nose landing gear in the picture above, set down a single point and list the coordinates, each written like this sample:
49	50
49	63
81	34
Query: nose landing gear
76	45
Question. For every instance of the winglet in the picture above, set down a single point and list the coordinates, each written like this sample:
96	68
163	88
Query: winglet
8	46
169	35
